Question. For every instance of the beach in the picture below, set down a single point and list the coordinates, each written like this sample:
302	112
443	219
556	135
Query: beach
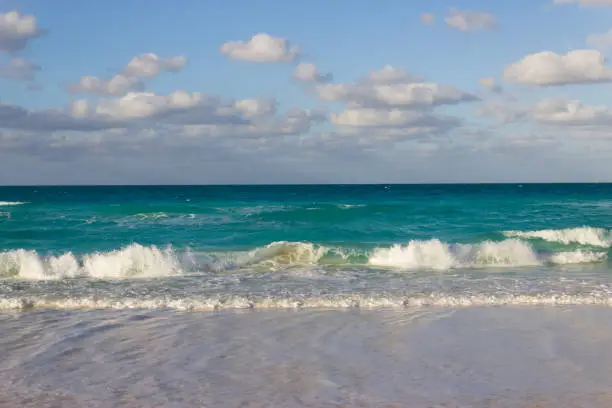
432	357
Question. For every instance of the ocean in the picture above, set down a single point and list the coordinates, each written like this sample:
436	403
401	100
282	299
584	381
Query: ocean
326	295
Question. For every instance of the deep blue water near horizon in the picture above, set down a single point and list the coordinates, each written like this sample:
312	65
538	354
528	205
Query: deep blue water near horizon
303	244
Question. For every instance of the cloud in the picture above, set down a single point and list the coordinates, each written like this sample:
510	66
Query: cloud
548	68
551	112
391	75
115	86
502	112
409	95
490	84
19	69
586	3
256	107
428	18
564	112
16	30
151	65
470	21
307	72
129	80
262	48
393	122
602	42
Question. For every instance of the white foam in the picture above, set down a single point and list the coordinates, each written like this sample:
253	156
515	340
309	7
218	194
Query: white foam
324	302
11	203
577	257
434	254
132	261
583	235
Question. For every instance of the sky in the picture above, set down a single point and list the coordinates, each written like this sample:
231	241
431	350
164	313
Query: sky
266	92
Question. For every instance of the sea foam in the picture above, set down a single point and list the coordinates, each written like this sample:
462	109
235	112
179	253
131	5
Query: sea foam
129	262
435	254
592	236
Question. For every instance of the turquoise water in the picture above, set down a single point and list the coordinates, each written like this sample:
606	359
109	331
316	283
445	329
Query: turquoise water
298	246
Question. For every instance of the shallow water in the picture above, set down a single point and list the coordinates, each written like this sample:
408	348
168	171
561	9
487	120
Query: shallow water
470	357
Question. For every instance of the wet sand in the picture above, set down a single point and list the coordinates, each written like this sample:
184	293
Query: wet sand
470	357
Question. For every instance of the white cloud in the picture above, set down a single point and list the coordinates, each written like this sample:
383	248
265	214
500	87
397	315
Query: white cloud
256	107
261	48
19	69
602	42
549	68
138	105
141	66
428	18
490	84
551	112
392	118
586	3
470	21
394	95
16	30
150	65
307	72
115	86
572	112
502	112
391	75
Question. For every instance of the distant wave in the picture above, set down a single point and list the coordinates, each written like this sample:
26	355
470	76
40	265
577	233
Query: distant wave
202	303
599	237
138	261
11	203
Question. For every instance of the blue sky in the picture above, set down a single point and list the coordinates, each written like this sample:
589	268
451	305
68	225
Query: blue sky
546	119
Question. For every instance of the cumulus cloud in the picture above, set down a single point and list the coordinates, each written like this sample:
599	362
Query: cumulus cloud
261	48
391	75
428	18
502	112
551	112
571	112
394	95
19	69
394	118
138	110
256	107
470	20
548	68
115	86
307	72
150	65
16	30
490	84
130	78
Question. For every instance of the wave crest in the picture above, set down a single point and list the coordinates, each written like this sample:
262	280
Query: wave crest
132	261
592	236
11	203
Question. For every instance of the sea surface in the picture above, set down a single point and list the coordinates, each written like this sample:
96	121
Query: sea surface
182	295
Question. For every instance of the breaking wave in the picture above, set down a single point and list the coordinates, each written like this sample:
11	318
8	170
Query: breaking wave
132	261
322	302
138	261
11	203
435	254
592	236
